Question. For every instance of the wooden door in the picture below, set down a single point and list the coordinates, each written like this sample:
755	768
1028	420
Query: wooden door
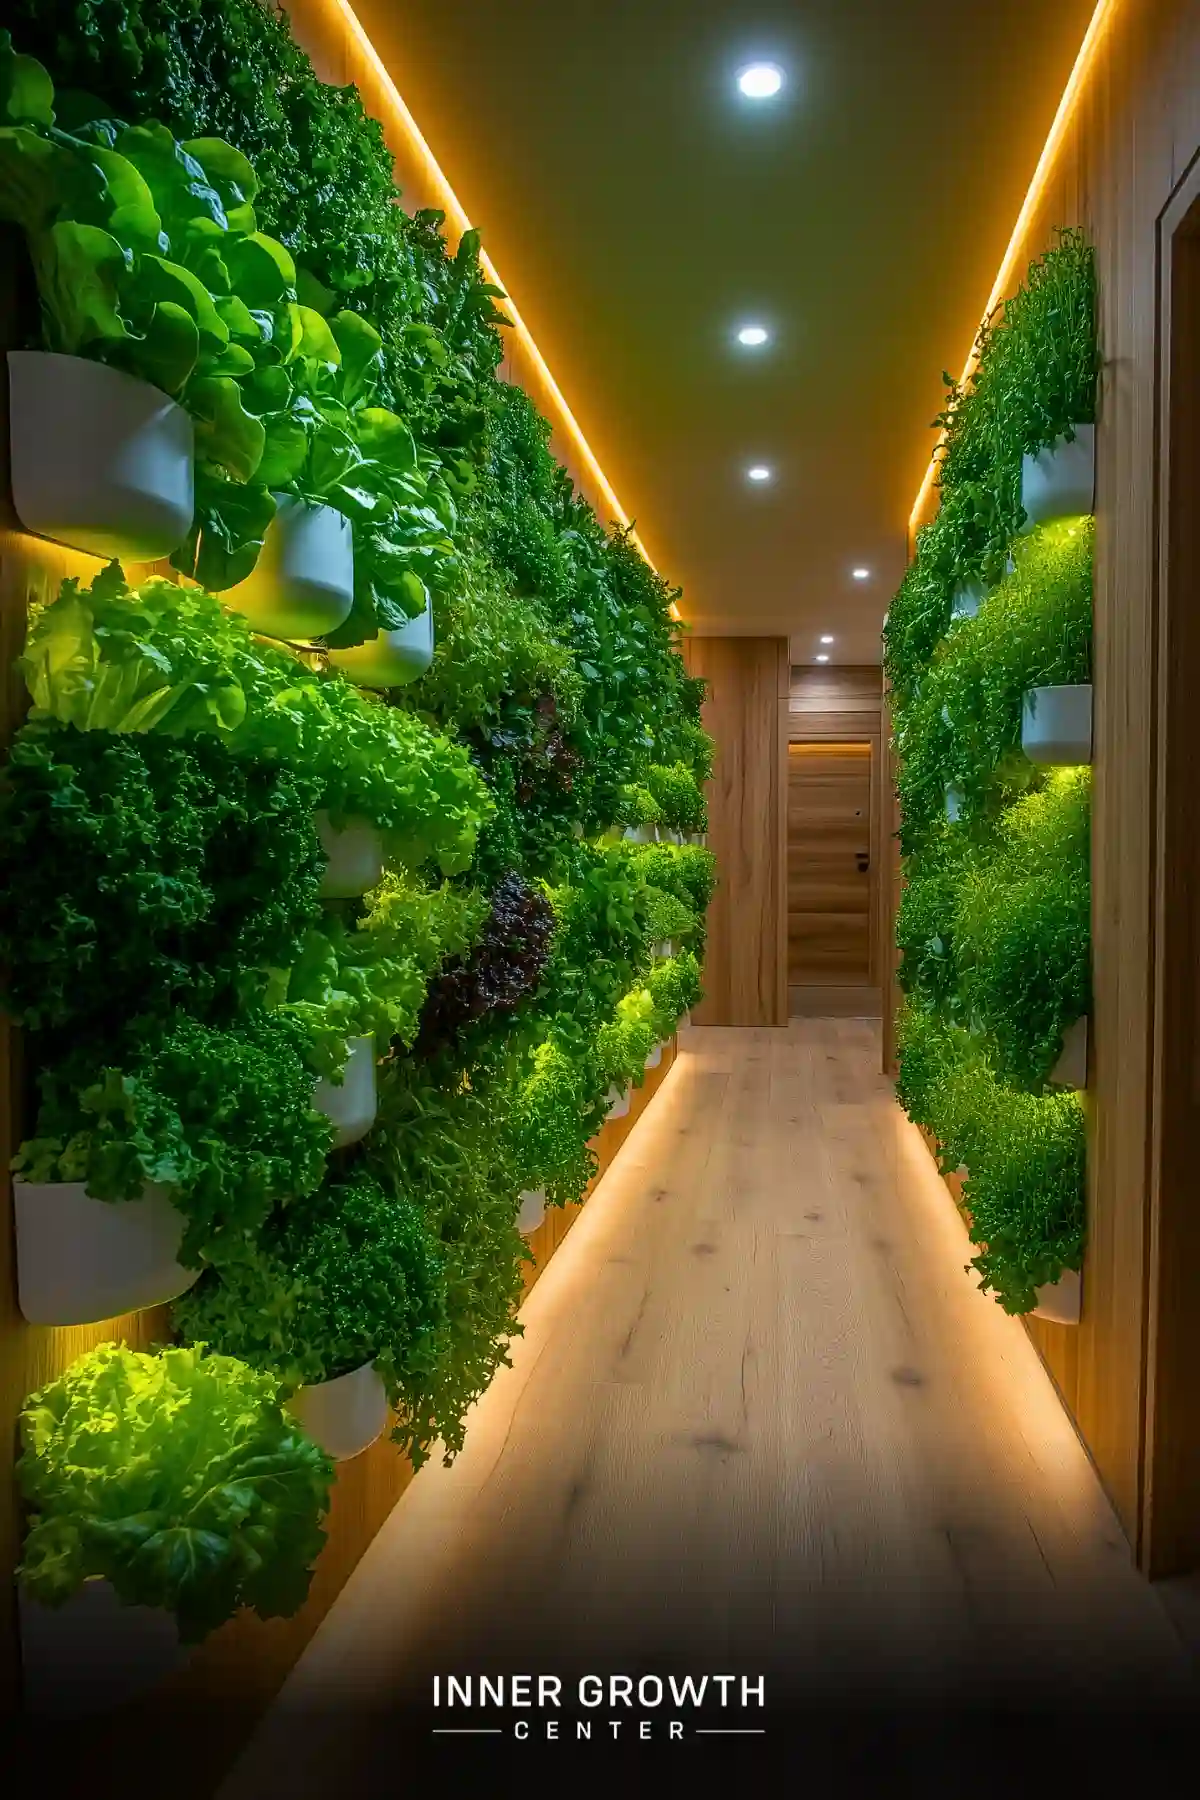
829	865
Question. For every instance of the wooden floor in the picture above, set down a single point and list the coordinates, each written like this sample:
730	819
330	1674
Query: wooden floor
761	1421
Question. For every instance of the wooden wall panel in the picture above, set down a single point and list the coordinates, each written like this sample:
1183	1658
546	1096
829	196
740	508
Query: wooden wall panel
1134	133
745	971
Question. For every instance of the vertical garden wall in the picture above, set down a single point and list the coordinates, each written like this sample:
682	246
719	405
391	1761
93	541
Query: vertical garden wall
360	844
987	652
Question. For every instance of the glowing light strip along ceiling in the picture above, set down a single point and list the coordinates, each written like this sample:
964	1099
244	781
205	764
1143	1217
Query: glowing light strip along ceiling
1100	21
450	205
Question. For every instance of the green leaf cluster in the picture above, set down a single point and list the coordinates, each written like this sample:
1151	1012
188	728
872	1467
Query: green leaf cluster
347	1276
994	917
178	1478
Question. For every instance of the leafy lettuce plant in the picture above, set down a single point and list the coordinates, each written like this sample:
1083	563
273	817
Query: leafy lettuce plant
667	916
178	1478
156	873
172	659
1023	929
1025	1154
348	1276
964	729
502	966
222	1118
553	1117
371	980
446	1148
680	803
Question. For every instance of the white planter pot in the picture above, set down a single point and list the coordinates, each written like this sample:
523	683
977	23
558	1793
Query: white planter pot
1060	483
954	800
640	834
390	658
100	461
92	1653
697	837
80	1260
1061	1300
355	856
345	1415
618	1103
668	836
664	950
654	1058
684	1022
531	1211
1056	724
1071	1069
969	596
350	1107
303	583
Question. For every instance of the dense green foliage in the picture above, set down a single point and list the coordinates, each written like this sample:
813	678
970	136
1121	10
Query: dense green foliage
348	1276
176	1477
505	965
994	920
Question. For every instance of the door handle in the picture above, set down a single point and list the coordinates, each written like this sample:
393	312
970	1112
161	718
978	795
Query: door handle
862	861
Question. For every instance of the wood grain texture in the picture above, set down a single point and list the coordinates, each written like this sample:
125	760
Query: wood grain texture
758	1420
745	969
1133	138
829	849
1170	1533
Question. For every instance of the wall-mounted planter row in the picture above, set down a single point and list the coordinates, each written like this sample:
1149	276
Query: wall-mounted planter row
640	834
302	585
697	837
618	1102
390	658
101	462
1061	1300
345	1415
1060	483
1056	725
351	1105
93	1653
81	1260
355	858
531	1211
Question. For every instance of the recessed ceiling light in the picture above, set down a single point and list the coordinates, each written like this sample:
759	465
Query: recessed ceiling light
758	473
760	80
822	657
827	640
861	574
753	334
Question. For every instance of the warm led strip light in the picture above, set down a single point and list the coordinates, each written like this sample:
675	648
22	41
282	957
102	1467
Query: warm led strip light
1101	20
450	205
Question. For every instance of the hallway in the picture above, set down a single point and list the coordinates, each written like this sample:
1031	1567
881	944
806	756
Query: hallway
759	1422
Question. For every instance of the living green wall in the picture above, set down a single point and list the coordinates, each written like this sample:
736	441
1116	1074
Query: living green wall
993	923
180	982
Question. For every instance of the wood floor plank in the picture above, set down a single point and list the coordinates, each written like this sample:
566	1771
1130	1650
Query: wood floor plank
761	1419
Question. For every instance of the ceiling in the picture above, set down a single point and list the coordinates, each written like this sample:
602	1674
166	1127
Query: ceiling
640	210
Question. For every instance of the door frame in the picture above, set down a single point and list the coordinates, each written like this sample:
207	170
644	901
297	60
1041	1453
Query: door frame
828	734
1168	1537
